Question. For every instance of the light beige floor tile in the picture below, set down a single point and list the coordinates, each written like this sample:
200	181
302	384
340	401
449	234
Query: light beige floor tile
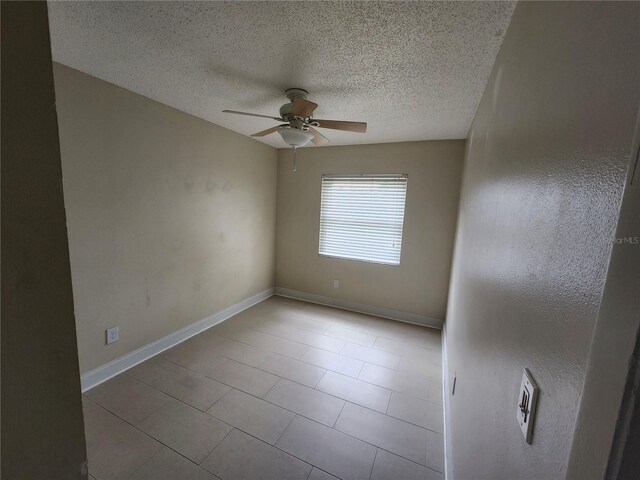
407	349
128	398
370	355
233	325
310	403
241	352
435	451
400	357
417	411
399	437
243	377
428	370
306	337
313	312
381	327
341	455
168	465
185	429
243	457
396	381
193	357
115	449
252	415
301	322
317	474
333	361
351	335
267	342
293	370
389	466
356	391
190	387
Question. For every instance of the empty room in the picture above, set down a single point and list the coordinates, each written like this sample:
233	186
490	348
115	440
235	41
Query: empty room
320	240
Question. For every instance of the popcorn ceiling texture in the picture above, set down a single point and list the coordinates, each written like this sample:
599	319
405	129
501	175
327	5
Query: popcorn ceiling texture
412	70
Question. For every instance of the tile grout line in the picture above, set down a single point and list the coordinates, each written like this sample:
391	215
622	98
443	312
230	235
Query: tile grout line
338	417
217	445
152	457
374	462
315	387
263	397
285	429
386	412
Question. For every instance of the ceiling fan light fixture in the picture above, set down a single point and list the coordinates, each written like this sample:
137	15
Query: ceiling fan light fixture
295	136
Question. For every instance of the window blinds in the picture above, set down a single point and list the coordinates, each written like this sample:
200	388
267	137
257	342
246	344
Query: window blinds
361	217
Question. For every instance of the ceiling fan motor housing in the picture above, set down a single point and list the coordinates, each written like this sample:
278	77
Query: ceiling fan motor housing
286	110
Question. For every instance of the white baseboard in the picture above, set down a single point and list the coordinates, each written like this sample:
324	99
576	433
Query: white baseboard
357	307
119	365
448	453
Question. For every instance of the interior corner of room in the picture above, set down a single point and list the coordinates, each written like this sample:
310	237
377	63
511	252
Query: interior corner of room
440	283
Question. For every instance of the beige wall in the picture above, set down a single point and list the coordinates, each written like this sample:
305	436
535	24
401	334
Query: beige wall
170	218
42	427
419	285
545	166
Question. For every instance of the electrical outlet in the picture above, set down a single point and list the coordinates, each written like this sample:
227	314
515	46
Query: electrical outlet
112	335
336	284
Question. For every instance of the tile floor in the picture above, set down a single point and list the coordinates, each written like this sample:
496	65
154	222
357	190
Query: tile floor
284	390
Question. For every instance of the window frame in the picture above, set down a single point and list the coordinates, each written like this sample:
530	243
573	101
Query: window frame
364	175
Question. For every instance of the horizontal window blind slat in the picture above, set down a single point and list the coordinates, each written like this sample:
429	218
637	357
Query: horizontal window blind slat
361	217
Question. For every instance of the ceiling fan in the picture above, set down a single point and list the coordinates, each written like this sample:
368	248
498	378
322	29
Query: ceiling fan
300	127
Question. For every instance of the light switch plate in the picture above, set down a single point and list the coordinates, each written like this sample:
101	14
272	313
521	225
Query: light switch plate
527	400
112	335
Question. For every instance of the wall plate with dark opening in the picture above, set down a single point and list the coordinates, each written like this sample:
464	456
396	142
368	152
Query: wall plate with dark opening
527	400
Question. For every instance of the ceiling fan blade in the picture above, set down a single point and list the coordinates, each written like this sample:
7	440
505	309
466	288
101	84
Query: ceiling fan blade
267	131
359	127
253	115
318	138
303	108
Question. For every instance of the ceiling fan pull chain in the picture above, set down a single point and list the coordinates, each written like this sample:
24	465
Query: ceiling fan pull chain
295	147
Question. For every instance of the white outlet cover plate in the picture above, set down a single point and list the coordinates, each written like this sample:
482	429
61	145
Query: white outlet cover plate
530	387
112	335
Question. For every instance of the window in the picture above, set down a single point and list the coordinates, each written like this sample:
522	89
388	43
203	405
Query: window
361	217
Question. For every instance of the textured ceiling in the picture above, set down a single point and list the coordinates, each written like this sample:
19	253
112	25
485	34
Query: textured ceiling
412	70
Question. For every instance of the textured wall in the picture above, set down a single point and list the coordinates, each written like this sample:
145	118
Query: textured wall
612	355
42	429
545	167
170	218
419	284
